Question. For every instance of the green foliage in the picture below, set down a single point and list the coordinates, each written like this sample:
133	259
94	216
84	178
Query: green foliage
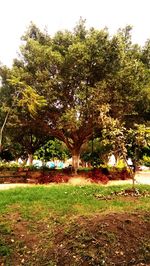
66	84
114	134
146	160
6	154
120	164
53	149
96	152
137	141
6	165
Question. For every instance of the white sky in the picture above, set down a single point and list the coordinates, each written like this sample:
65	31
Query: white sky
15	16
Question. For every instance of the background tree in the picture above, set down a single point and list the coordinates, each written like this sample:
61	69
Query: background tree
96	152
51	150
138	142
18	105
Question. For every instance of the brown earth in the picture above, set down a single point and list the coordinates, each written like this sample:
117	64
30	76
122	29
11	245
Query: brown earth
118	239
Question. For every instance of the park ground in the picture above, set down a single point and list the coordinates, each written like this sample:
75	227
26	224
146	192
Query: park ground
67	225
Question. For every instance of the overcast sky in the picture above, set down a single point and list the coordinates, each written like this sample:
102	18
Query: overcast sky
15	16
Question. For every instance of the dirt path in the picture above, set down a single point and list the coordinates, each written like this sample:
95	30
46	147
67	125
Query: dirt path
141	178
8	186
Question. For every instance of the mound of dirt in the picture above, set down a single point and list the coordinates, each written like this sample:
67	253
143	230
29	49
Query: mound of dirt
114	239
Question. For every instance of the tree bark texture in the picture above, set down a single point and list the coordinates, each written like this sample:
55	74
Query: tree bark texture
30	159
75	160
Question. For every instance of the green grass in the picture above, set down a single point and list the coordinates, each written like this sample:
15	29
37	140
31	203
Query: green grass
4	249
63	200
33	218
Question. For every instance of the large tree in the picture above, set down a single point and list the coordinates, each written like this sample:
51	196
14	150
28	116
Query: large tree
81	74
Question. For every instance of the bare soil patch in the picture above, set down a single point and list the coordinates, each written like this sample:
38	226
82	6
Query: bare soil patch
113	239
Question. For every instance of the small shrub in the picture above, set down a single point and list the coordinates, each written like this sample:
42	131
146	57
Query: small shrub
116	174
45	179
146	160
120	164
97	176
67	170
52	177
9	166
105	171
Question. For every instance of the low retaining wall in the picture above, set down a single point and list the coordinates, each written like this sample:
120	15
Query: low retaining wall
9	176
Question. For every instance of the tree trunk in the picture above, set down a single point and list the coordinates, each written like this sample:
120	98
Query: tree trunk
75	160
30	159
2	128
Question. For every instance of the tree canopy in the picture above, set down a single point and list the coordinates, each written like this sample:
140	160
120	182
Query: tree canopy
64	85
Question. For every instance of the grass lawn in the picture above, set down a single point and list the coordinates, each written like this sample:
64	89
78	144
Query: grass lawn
74	225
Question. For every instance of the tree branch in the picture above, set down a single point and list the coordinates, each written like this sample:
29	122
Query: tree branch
2	129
